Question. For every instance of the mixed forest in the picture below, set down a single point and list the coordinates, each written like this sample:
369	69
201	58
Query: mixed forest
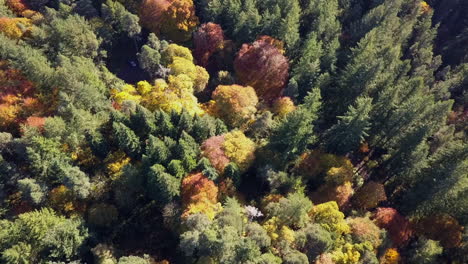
234	131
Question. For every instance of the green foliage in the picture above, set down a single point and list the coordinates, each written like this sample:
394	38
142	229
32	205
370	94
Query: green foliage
293	134
41	234
292	211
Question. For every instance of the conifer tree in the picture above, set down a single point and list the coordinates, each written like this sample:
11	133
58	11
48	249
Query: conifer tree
295	132
351	129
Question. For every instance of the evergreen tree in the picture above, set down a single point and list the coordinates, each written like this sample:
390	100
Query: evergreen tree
293	134
126	139
351	128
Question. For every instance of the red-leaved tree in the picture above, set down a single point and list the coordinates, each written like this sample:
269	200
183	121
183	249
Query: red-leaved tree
264	67
207	40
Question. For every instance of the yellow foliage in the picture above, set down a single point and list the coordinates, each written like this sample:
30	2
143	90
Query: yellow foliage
180	61
143	87
283	106
329	217
115	163
174	94
61	199
205	207
173	50
128	92
391	256
271	226
425	7
288	234
347	254
239	149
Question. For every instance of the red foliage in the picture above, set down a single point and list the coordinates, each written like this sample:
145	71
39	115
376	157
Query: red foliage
264	67
397	226
212	150
17	6
207	39
17	99
443	228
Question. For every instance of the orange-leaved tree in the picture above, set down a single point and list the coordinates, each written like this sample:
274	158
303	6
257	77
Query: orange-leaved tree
175	19
199	195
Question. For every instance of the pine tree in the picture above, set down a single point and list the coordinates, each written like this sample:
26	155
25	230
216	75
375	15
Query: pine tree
351	128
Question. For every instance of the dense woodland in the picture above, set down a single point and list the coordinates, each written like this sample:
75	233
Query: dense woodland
234	131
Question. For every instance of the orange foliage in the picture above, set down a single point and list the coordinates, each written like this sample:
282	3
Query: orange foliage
443	228
174	18
17	99
425	7
37	122
207	40
272	41
391	256
199	195
264	67
11	26
370	195
397	226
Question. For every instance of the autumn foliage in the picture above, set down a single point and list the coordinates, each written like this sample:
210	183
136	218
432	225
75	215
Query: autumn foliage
341	194
397	226
199	195
391	256
264	67
173	18
443	228
231	147
235	104
15	27
18	100
207	40
370	195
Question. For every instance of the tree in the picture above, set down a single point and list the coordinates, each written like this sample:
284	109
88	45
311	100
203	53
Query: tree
31	189
162	186
314	240
351	129
70	36
41	235
175	19
292	135
235	104
262	66
126	139
397	226
149	57
426	251
199	195
207	40
120	18
292	211
370	195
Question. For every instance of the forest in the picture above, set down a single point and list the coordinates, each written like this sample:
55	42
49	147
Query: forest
233	131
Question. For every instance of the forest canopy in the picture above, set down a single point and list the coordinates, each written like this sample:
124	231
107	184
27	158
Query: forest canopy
233	131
